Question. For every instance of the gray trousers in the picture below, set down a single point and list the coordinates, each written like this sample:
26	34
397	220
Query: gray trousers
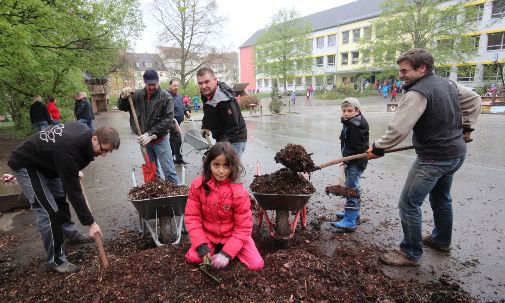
48	201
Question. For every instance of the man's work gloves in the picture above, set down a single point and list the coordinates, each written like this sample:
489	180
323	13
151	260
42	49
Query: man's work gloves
205	132
144	139
374	152
126	92
467	133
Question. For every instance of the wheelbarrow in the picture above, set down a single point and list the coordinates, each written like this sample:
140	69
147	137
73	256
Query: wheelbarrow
160	216
195	140
282	205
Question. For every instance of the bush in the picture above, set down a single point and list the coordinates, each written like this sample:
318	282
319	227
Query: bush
246	101
343	91
275	106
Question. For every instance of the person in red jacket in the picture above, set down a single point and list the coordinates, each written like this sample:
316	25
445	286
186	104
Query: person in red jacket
53	110
218	213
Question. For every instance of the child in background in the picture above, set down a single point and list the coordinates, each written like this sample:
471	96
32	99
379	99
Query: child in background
293	97
218	213
353	140
393	94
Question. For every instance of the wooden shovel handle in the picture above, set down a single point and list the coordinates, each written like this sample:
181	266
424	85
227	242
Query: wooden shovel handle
137	125
360	156
101	251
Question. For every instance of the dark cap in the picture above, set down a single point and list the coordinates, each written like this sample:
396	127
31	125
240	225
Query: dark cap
151	77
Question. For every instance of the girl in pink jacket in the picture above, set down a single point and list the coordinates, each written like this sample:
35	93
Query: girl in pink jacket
218	213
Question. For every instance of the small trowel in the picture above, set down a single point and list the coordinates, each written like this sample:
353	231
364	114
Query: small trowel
206	269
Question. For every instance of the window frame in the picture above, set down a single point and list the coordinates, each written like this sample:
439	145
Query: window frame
345	37
328	60
354	38
334	40
320	39
470	77
346	56
496	46
353	57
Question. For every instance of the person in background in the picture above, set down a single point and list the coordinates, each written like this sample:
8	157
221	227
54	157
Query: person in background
393	94
39	116
218	213
186	100
53	110
293	97
83	112
180	110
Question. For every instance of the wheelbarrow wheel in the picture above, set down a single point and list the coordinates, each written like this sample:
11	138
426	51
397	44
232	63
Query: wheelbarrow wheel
282	222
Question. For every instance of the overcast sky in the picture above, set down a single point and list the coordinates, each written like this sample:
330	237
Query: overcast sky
243	21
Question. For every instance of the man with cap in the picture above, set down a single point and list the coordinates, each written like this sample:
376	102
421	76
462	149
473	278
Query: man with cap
155	113
353	140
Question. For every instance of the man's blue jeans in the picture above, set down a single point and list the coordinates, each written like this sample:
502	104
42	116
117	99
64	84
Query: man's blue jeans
433	177
87	122
162	152
38	126
353	174
239	148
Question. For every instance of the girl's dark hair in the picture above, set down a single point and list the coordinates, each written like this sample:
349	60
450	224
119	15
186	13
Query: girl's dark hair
221	148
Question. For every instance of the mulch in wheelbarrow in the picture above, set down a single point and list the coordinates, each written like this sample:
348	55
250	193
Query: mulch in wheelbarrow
296	158
156	189
299	274
283	181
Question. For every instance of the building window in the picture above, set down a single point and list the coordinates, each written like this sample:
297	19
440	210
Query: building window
345	37
445	44
332	40
345	58
319	80
496	41
367	33
319	61
466	73
498	11
298	81
344	80
479	11
356	35
476	41
355	57
365	56
491	73
443	71
320	42
259	83
331	60
330	80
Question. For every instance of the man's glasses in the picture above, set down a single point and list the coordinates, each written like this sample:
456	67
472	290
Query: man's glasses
404	70
104	150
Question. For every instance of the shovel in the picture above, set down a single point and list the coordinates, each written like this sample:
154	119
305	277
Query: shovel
358	156
149	167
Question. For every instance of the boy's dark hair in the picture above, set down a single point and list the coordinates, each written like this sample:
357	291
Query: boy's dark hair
205	70
51	98
107	135
418	57
221	148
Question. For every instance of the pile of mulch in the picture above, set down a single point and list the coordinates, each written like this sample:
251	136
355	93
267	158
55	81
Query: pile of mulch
296	158
341	191
283	181
157	189
298	274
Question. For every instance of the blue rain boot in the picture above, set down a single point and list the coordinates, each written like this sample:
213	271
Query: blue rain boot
349	221
340	216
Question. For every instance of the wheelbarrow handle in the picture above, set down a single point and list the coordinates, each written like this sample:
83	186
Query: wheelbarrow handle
359	156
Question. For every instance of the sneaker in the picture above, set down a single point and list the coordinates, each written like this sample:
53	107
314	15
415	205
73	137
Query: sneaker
80	239
65	268
397	258
180	161
428	241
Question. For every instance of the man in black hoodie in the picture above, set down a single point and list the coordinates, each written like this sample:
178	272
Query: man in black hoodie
47	168
221	112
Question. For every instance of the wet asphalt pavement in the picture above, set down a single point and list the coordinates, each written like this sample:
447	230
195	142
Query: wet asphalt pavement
476	261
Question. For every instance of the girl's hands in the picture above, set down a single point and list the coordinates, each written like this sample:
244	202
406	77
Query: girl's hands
219	261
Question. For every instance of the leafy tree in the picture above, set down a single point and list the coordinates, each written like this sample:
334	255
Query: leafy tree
284	49
429	24
45	46
189	26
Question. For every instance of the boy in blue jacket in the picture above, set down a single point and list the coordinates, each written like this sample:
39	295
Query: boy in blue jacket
353	140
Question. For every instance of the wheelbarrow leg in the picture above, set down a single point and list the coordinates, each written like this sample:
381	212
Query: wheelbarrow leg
303	217
179	230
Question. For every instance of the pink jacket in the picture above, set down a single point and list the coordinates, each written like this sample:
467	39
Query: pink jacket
224	216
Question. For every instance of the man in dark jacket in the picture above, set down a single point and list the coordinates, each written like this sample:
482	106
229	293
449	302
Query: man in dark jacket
221	112
155	113
441	114
47	168
82	110
175	131
39	115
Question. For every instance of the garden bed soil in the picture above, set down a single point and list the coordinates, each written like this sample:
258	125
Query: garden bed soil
301	273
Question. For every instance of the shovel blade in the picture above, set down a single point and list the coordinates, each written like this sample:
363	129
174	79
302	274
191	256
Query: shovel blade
149	171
